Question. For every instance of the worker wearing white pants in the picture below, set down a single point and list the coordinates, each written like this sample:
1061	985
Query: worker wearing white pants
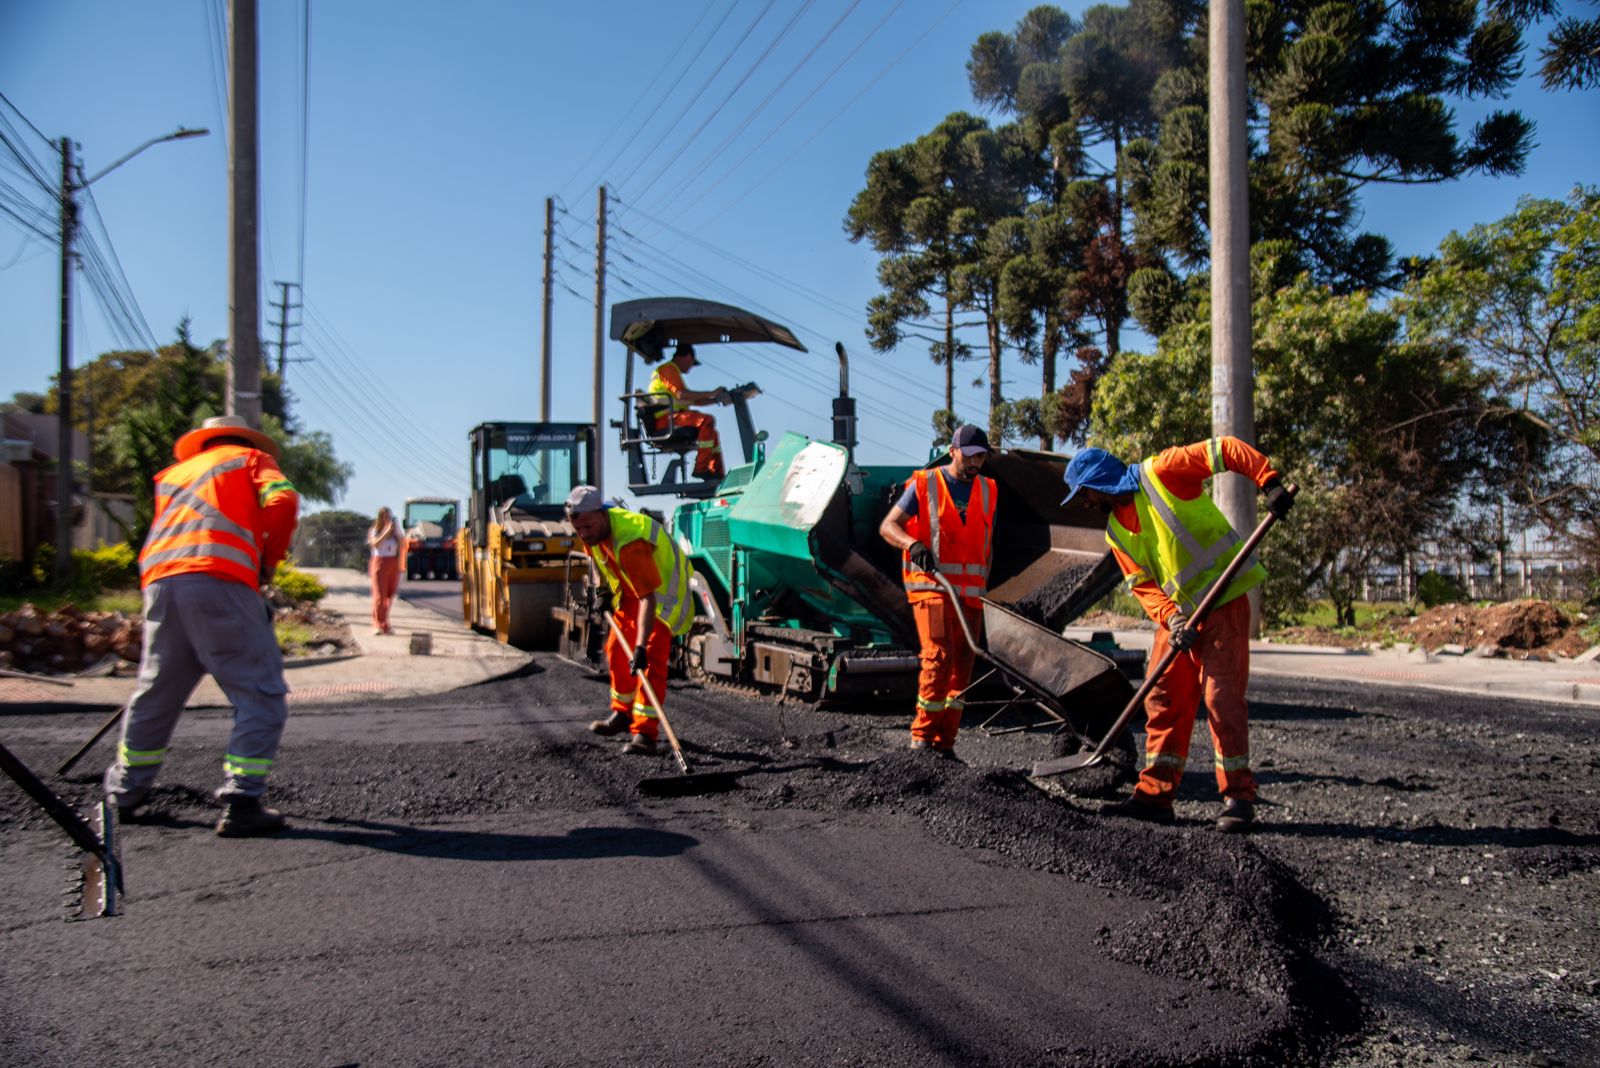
195	625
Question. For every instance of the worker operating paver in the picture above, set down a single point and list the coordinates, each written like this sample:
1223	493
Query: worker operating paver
647	577
667	382
1172	543
943	523
224	516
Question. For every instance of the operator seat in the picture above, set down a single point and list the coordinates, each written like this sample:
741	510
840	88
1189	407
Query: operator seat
678	439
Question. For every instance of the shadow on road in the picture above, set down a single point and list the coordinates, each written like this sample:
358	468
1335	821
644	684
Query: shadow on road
579	843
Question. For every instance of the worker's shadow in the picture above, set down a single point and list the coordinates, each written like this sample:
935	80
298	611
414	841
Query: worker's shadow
579	843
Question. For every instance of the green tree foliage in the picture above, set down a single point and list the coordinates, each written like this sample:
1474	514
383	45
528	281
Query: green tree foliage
332	538
1382	433
1521	296
1570	58
1081	92
932	209
1342	94
140	403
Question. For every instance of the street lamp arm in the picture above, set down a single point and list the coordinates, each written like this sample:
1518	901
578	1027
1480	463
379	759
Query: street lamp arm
179	134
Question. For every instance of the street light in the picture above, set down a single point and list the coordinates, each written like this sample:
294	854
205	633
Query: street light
69	223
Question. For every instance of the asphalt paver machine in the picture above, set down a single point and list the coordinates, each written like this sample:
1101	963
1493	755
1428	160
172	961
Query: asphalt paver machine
798	596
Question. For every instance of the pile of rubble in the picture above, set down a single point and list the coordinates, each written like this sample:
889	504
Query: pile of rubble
67	640
1522	630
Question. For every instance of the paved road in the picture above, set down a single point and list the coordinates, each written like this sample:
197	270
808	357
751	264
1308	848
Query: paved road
472	878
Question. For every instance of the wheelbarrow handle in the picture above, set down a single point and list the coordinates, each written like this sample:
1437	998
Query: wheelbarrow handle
960	612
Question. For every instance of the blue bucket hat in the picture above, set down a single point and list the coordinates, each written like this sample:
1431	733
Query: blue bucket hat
1099	470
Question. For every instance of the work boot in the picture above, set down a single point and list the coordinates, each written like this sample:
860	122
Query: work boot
615	723
1133	808
640	745
246	817
1236	816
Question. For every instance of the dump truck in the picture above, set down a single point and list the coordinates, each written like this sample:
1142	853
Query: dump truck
512	552
431	525
798	596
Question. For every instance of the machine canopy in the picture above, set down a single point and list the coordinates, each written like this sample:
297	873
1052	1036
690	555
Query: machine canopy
652	327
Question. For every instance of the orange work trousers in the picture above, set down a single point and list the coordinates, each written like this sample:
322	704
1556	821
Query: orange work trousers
708	461
385	573
1218	664
946	669
627	696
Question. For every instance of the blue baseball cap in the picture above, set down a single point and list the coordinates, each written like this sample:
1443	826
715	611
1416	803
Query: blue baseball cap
1099	470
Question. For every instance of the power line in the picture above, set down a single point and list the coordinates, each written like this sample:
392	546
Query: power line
644	94
305	133
705	161
650	152
674	156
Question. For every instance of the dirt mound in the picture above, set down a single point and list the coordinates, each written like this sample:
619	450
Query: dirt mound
1521	629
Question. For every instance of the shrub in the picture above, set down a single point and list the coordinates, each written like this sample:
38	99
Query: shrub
296	584
15	576
1436	589
109	567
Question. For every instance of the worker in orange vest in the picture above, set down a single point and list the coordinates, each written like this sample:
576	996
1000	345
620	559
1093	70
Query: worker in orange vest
1172	544
224	517
667	383
944	522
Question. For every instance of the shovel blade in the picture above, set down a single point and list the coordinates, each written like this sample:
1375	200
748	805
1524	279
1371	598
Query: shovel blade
1062	765
690	785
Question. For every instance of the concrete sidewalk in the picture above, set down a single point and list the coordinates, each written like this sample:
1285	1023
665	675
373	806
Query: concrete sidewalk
383	666
1568	682
460	657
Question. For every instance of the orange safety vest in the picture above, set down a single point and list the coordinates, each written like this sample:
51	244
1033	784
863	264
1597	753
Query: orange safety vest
962	547
207	518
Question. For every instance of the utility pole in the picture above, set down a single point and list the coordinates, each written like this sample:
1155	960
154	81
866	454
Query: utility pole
599	314
283	324
69	223
1232	407
244	319
544	341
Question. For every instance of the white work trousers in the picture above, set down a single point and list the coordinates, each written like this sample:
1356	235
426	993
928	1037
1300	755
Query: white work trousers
196	625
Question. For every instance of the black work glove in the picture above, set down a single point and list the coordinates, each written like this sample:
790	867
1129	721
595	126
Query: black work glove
602	599
922	557
1180	635
641	659
1279	499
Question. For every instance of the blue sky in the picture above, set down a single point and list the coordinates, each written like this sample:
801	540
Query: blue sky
436	131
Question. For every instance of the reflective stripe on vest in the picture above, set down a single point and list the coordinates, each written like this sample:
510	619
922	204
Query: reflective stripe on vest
658	385
968	571
192	533
674	606
1183	545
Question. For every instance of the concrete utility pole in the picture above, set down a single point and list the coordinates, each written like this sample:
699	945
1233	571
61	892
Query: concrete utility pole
283	324
544	341
599	317
244	300
69	222
1232	376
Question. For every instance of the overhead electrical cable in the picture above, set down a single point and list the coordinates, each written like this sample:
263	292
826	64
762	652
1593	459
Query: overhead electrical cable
645	93
667	132
673	157
699	170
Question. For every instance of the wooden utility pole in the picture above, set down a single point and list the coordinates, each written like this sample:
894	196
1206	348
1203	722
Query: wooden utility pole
599	317
69	222
244	300
1232	376
544	340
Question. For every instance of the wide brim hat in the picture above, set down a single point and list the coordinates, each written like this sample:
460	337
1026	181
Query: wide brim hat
222	426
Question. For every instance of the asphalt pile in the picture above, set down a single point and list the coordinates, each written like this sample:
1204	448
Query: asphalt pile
1044	603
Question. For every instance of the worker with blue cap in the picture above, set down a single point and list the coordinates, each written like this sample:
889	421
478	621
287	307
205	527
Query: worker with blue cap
1172	544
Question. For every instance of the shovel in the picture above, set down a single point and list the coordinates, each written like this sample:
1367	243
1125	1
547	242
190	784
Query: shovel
1079	761
687	783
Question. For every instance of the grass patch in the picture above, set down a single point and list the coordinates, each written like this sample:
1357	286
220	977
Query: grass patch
293	638
128	602
1368	615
